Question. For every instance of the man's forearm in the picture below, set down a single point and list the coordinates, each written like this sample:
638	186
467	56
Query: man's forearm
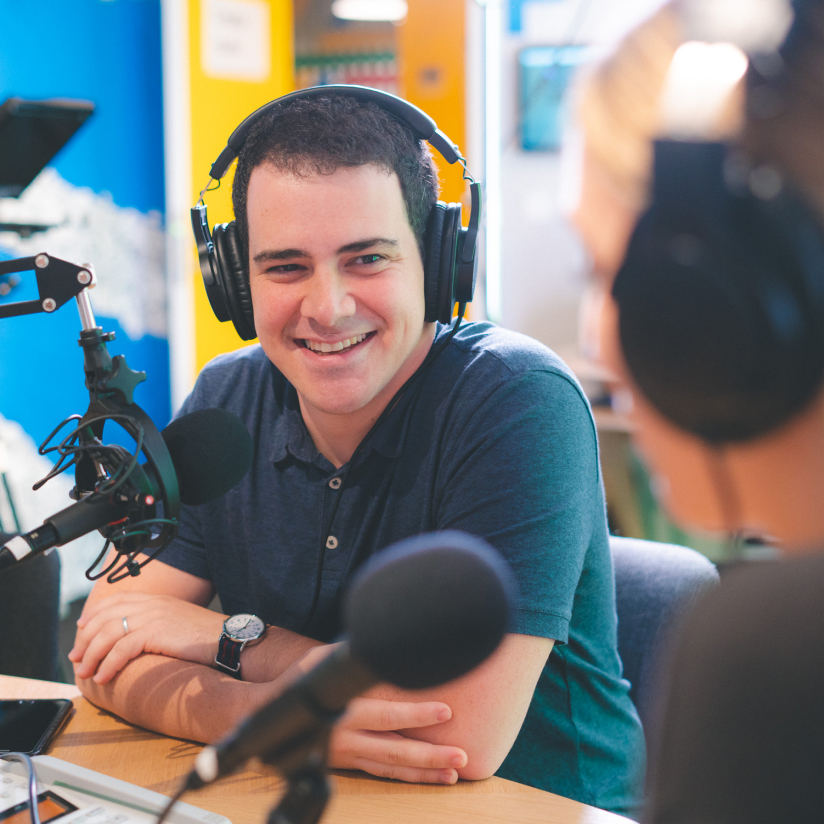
274	655
488	704
179	698
195	700
170	626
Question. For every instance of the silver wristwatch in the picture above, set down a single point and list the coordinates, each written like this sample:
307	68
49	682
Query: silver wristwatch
239	631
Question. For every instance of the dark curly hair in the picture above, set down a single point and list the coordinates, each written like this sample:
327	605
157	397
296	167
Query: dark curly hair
323	134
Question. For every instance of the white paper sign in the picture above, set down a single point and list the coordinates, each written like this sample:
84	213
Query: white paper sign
235	39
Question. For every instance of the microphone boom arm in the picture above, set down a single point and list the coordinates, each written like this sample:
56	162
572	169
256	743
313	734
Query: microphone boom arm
111	384
58	281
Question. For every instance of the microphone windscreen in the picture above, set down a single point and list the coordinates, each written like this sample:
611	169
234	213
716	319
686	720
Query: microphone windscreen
429	609
211	450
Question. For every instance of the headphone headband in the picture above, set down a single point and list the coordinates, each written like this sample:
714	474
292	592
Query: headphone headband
418	121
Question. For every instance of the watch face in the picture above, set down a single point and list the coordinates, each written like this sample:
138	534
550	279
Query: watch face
244	627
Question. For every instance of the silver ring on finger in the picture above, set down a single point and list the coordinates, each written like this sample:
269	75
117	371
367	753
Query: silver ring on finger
125	626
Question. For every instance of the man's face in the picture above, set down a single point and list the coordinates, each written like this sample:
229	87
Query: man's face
337	285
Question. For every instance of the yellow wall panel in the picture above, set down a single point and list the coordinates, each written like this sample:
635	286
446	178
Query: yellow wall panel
219	105
432	75
431	46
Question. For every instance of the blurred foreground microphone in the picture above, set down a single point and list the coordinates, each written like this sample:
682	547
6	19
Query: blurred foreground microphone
421	613
211	451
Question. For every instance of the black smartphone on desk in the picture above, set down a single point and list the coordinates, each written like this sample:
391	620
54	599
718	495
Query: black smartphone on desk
28	725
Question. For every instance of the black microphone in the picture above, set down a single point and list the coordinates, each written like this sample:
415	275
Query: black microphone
211	451
419	614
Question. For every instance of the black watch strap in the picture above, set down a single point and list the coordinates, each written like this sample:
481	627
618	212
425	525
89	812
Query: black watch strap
228	655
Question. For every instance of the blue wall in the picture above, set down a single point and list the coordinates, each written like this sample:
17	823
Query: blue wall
106	51
109	52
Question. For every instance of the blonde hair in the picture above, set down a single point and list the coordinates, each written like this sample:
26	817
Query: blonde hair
793	138
621	105
618	104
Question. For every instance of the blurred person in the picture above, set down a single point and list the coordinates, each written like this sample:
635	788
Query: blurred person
741	735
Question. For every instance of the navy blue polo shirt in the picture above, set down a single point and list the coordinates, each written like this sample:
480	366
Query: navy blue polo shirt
497	440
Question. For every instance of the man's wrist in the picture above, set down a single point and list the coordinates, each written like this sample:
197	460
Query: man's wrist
239	632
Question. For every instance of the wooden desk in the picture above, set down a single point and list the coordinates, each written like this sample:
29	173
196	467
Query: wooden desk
101	741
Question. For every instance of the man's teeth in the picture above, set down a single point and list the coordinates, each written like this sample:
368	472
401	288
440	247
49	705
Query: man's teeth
334	347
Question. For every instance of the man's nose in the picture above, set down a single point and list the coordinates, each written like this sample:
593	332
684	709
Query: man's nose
327	300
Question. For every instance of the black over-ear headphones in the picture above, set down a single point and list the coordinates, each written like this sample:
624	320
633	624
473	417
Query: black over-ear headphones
450	261
721	294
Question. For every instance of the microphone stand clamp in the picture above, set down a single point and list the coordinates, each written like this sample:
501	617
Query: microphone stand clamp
307	783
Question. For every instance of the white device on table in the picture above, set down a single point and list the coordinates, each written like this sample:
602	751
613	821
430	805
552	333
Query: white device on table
75	795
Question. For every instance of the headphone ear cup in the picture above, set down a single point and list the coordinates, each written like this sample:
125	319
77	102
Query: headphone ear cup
442	233
432	260
448	262
209	268
721	330
466	257
689	341
235	279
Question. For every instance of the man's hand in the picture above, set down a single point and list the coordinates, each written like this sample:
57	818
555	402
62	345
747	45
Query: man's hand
160	624
369	736
367	739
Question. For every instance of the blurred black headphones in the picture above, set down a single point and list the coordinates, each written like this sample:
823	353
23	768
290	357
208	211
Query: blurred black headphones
721	294
450	261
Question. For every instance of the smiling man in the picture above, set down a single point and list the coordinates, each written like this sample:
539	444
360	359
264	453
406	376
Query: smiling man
372	424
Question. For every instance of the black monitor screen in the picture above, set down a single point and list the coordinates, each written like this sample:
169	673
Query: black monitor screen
32	132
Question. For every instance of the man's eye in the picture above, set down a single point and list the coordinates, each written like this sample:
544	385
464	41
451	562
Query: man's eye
368	259
284	269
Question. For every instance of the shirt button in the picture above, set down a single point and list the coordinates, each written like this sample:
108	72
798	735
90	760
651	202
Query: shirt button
335	483
331	542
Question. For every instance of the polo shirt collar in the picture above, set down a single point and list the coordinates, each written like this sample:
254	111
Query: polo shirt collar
290	435
390	437
289	432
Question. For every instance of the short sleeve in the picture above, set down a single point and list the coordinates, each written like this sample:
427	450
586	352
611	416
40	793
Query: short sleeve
523	474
